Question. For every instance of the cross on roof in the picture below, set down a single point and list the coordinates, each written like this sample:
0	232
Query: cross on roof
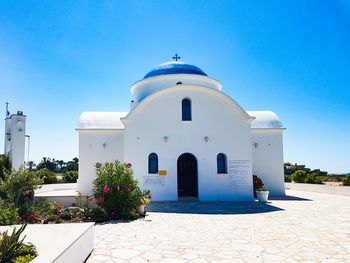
176	57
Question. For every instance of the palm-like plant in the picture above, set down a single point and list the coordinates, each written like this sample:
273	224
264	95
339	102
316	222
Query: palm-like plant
11	245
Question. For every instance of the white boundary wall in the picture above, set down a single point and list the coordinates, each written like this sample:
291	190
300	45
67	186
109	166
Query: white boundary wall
319	188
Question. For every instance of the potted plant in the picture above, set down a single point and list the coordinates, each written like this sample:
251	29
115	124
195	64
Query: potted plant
262	194
145	199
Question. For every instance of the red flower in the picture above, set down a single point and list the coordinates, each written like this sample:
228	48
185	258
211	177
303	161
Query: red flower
101	200
98	165
106	189
129	165
117	187
127	189
150	197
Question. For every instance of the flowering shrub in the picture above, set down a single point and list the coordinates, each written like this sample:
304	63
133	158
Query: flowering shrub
116	190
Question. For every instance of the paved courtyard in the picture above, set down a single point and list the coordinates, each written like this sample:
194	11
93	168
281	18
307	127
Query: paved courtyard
304	227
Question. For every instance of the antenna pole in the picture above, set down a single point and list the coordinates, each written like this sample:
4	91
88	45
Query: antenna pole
28	148
7	109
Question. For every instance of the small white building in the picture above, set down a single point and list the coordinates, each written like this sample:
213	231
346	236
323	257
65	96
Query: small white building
185	137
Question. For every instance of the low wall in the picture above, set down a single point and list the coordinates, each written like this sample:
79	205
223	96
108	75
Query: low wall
319	188
55	187
59	243
64	194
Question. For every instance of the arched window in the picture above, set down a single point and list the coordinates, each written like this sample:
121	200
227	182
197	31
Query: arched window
186	110
221	163
153	163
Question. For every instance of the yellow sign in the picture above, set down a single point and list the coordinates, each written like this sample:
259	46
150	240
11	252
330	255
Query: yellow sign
162	172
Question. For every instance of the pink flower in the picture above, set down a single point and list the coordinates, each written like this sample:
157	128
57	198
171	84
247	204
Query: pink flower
150	197
106	189
127	189
129	165
101	200
117	187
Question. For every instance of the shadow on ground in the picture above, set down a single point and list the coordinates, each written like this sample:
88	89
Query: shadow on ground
288	198
214	208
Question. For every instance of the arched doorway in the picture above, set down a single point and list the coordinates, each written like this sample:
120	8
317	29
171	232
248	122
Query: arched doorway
187	179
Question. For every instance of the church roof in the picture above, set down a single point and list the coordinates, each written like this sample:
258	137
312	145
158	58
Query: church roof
174	67
265	120
101	121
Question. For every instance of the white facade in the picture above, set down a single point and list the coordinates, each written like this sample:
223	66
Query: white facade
187	150
14	145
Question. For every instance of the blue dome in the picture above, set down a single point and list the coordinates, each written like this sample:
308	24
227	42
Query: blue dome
174	67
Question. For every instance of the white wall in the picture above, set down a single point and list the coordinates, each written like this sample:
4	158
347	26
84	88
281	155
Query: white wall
97	146
268	159
213	115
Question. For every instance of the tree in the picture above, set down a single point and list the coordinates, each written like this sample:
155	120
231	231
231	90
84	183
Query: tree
72	165
5	165
18	188
60	164
47	163
31	165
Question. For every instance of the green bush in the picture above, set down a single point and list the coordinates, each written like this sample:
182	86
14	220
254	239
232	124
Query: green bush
8	215
24	259
116	190
318	180
70	177
96	214
309	180
18	188
27	249
5	165
48	176
287	179
299	176
346	180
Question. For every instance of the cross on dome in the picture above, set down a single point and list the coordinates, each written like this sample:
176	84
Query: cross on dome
176	57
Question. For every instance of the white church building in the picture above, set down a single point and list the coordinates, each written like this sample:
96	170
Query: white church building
185	138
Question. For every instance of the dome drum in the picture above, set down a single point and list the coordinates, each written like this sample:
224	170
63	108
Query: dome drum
168	75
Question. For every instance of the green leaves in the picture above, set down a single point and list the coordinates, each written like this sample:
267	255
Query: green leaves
10	245
116	190
18	187
46	175
8	215
5	165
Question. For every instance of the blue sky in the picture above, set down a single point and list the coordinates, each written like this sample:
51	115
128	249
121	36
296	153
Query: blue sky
60	58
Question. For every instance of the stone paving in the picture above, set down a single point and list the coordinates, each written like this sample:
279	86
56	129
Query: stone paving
304	227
